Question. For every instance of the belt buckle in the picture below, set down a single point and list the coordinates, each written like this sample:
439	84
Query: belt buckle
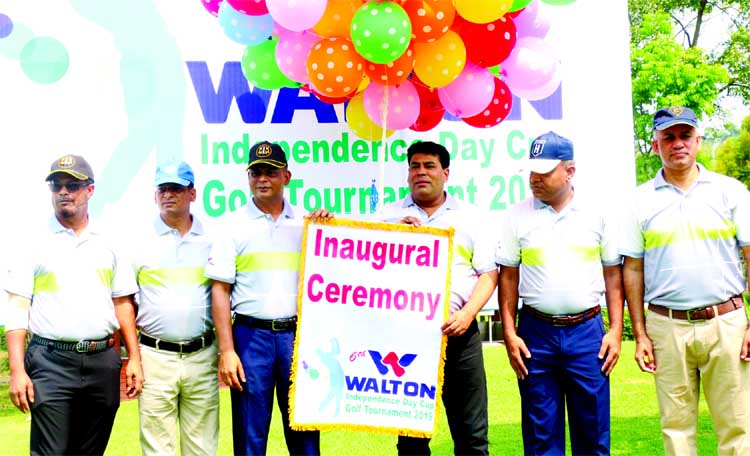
274	327
85	346
690	318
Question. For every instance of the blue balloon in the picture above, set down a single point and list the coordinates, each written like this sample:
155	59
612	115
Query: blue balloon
242	28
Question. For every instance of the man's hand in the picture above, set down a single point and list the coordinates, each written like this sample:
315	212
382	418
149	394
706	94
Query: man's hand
517	351
457	323
133	379
21	390
611	349
320	215
745	352
410	220
230	370
644	354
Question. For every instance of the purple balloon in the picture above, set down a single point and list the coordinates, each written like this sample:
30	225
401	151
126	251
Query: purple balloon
532	21
6	25
532	65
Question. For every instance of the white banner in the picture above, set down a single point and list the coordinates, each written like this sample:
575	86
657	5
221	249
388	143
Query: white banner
369	348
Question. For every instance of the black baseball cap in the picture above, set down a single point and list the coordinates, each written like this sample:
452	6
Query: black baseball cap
73	165
674	115
267	153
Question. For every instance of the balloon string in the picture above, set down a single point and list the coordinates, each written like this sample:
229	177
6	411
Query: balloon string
381	179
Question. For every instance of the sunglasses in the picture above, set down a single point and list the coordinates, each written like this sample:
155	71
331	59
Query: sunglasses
72	186
171	188
269	172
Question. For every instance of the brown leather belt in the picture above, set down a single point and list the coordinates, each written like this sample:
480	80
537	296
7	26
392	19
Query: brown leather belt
701	313
563	320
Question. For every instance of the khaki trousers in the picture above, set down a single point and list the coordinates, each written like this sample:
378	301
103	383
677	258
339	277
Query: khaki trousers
179	388
704	352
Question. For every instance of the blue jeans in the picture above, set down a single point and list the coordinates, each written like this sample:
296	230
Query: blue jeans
564	370
266	357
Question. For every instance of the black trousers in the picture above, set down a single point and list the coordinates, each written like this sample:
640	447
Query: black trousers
76	396
464	398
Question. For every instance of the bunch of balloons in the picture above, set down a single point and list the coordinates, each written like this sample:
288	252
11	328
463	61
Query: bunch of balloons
398	63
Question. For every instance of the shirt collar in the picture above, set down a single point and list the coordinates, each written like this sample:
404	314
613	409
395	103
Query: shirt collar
450	203
162	228
573	205
55	226
255	213
704	175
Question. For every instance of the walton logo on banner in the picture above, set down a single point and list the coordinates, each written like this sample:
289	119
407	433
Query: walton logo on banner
391	359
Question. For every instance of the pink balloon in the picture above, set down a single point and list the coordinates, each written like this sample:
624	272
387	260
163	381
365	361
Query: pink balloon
401	105
250	7
212	6
532	21
296	15
542	92
531	65
292	52
469	93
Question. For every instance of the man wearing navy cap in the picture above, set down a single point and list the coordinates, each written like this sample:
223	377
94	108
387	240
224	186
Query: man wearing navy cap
682	243
255	272
558	253
174	318
72	289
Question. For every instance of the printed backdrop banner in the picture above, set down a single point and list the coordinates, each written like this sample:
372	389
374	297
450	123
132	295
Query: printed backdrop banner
369	348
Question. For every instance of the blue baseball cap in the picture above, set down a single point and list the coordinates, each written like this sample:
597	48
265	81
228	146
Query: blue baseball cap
174	173
547	151
674	115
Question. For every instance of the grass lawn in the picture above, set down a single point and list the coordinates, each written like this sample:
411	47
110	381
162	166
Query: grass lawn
635	421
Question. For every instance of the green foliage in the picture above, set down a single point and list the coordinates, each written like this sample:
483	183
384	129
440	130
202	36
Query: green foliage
627	325
733	155
3	342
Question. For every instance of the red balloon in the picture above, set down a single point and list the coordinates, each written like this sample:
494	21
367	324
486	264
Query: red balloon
487	44
496	111
431	111
325	99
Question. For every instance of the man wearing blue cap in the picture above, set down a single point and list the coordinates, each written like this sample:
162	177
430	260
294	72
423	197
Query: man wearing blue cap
558	253
681	244
176	338
255	271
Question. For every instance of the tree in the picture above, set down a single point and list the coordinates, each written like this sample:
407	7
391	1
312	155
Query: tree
733	155
668	67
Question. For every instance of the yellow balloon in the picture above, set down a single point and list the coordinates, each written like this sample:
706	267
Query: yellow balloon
439	62
337	18
359	122
482	11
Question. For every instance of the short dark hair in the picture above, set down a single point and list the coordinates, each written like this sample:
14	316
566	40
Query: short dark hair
431	148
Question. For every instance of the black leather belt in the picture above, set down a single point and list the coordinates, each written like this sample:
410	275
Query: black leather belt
190	346
701	313
82	346
281	324
563	320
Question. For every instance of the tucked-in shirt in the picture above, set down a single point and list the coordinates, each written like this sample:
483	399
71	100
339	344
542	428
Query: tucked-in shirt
260	257
689	240
472	248
560	254
71	280
175	295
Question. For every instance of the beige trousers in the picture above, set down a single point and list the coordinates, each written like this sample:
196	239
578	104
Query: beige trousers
708	353
184	389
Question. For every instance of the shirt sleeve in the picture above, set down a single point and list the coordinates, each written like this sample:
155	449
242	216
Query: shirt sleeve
741	215
609	245
631	234
508	247
123	275
222	265
20	271
483	259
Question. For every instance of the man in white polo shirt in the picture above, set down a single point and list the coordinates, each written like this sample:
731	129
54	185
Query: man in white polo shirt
174	318
682	246
559	254
473	279
73	290
255	270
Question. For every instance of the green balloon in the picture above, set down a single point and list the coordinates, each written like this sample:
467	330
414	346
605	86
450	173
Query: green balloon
260	68
558	2
518	5
381	31
44	60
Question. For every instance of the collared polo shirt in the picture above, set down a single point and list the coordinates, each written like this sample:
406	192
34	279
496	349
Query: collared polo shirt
472	249
71	280
560	254
175	294
260	258
690	240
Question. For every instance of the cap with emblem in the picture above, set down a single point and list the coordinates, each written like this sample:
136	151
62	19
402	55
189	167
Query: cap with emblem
73	165
174	173
674	115
266	153
547	151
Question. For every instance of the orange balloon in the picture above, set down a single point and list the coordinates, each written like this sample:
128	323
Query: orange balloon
430	19
440	62
360	123
392	73
337	17
334	67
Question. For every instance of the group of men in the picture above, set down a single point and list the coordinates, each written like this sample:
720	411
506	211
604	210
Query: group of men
190	305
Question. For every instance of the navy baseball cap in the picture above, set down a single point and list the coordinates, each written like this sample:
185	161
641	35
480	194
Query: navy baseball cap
174	173
547	151
267	153
674	115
